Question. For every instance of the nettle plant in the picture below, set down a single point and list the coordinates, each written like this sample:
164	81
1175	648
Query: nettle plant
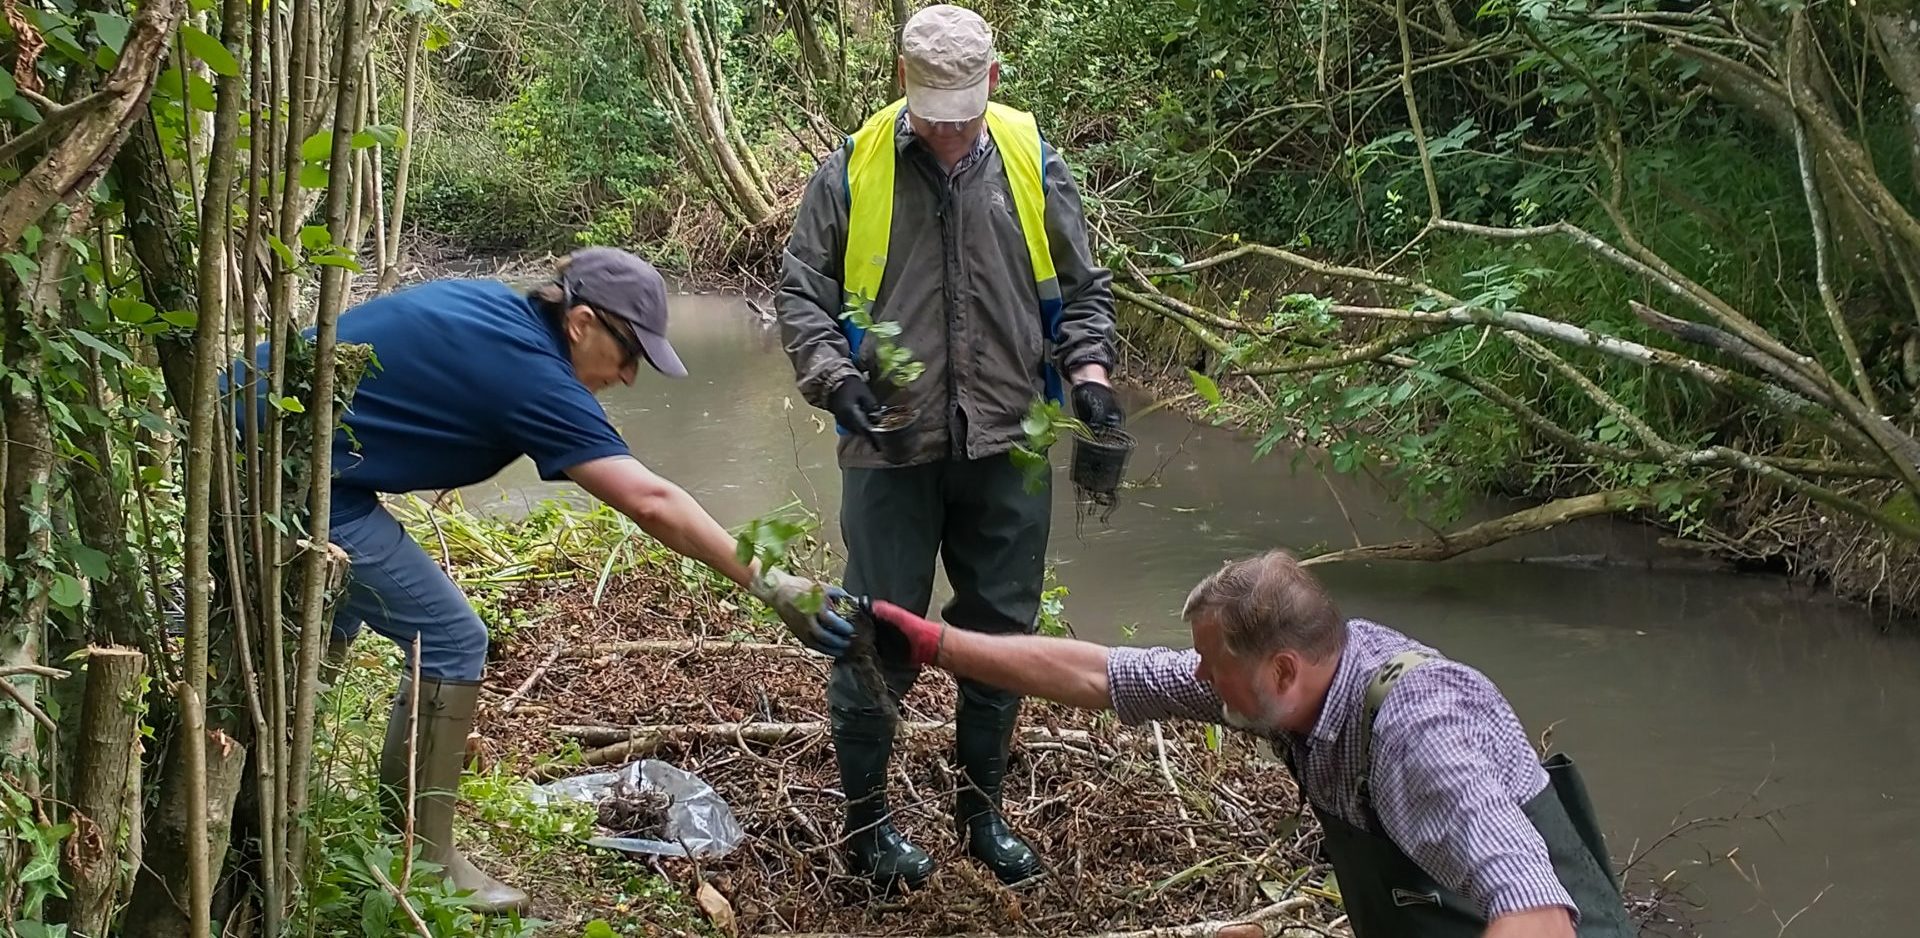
1046	422
897	366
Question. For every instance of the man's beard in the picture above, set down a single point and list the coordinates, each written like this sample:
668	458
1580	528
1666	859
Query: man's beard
1267	724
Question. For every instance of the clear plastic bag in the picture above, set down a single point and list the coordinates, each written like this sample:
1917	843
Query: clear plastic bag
697	817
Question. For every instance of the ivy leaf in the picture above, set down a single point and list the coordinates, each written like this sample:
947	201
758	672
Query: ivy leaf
112	30
209	50
181	318
1206	387
67	593
129	309
91	563
338	260
102	346
288	405
438	38
317	147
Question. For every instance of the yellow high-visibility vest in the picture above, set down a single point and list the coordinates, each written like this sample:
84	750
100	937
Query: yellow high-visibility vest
870	165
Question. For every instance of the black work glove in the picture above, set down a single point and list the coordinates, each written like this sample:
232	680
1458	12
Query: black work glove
853	405
1097	406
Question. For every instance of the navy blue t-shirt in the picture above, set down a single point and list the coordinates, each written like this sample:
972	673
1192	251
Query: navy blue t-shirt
469	377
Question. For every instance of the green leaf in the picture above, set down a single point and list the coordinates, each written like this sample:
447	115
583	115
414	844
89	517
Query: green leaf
338	260
23	110
288	405
1206	387
7	88
317	147
67	593
181	318
102	346
438	38
598	928
281	250
315	176
91	563
316	237
200	94
112	30
209	50
131	310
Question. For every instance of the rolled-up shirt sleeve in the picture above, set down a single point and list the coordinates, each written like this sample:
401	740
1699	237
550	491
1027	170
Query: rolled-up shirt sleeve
1445	794
1159	684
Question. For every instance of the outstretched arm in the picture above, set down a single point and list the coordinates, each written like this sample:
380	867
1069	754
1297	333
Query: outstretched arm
1139	684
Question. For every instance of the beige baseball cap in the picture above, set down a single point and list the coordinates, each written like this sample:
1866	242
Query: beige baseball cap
948	52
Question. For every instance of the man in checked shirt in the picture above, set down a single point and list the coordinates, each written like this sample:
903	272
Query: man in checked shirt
1439	819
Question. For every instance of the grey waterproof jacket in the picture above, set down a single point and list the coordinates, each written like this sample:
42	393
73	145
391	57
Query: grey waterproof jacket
960	283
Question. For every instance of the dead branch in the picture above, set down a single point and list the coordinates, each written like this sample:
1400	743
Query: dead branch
1505	527
687	646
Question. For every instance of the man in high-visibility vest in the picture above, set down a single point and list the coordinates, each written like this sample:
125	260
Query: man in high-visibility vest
948	225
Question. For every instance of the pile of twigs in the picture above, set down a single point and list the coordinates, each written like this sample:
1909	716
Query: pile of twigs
1141	828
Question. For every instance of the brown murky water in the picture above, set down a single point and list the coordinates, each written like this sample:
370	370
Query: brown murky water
1684	694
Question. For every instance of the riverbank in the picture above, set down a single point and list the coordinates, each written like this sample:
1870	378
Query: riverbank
607	649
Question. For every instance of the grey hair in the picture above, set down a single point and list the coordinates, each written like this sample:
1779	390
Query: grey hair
1267	604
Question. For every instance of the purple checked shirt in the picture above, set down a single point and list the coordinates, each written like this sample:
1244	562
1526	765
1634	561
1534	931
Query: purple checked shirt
1451	763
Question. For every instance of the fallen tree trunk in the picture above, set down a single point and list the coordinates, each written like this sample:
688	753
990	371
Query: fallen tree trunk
1488	533
1278	920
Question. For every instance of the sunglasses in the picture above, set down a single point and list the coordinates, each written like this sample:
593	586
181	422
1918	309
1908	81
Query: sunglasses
629	345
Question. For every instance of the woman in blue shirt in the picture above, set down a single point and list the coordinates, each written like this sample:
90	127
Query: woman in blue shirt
471	376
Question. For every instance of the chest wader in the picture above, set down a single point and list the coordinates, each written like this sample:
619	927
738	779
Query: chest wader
1387	895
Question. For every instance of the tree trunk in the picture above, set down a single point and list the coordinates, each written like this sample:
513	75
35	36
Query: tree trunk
106	784
161	889
1899	35
409	93
102	521
317	565
87	146
33	308
154	229
756	203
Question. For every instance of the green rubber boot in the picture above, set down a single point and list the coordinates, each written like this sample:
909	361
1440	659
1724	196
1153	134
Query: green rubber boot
875	849
982	735
445	719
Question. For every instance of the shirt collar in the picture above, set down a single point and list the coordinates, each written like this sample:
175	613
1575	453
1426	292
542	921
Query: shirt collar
1342	695
903	136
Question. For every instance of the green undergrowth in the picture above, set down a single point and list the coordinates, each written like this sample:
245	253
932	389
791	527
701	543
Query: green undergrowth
578	890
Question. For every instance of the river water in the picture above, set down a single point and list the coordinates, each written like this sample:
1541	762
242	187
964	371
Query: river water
1685	694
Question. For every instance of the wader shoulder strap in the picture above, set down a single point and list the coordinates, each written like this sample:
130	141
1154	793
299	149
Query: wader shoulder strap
1382	681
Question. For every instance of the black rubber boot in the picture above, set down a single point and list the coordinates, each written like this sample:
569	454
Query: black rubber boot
874	848
982	734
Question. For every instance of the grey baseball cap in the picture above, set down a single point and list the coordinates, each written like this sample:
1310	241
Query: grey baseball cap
628	289
948	53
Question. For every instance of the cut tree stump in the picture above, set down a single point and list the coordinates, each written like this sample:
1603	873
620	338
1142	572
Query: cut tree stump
106	776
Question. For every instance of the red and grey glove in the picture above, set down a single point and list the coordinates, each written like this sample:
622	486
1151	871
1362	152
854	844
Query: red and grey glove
923	637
